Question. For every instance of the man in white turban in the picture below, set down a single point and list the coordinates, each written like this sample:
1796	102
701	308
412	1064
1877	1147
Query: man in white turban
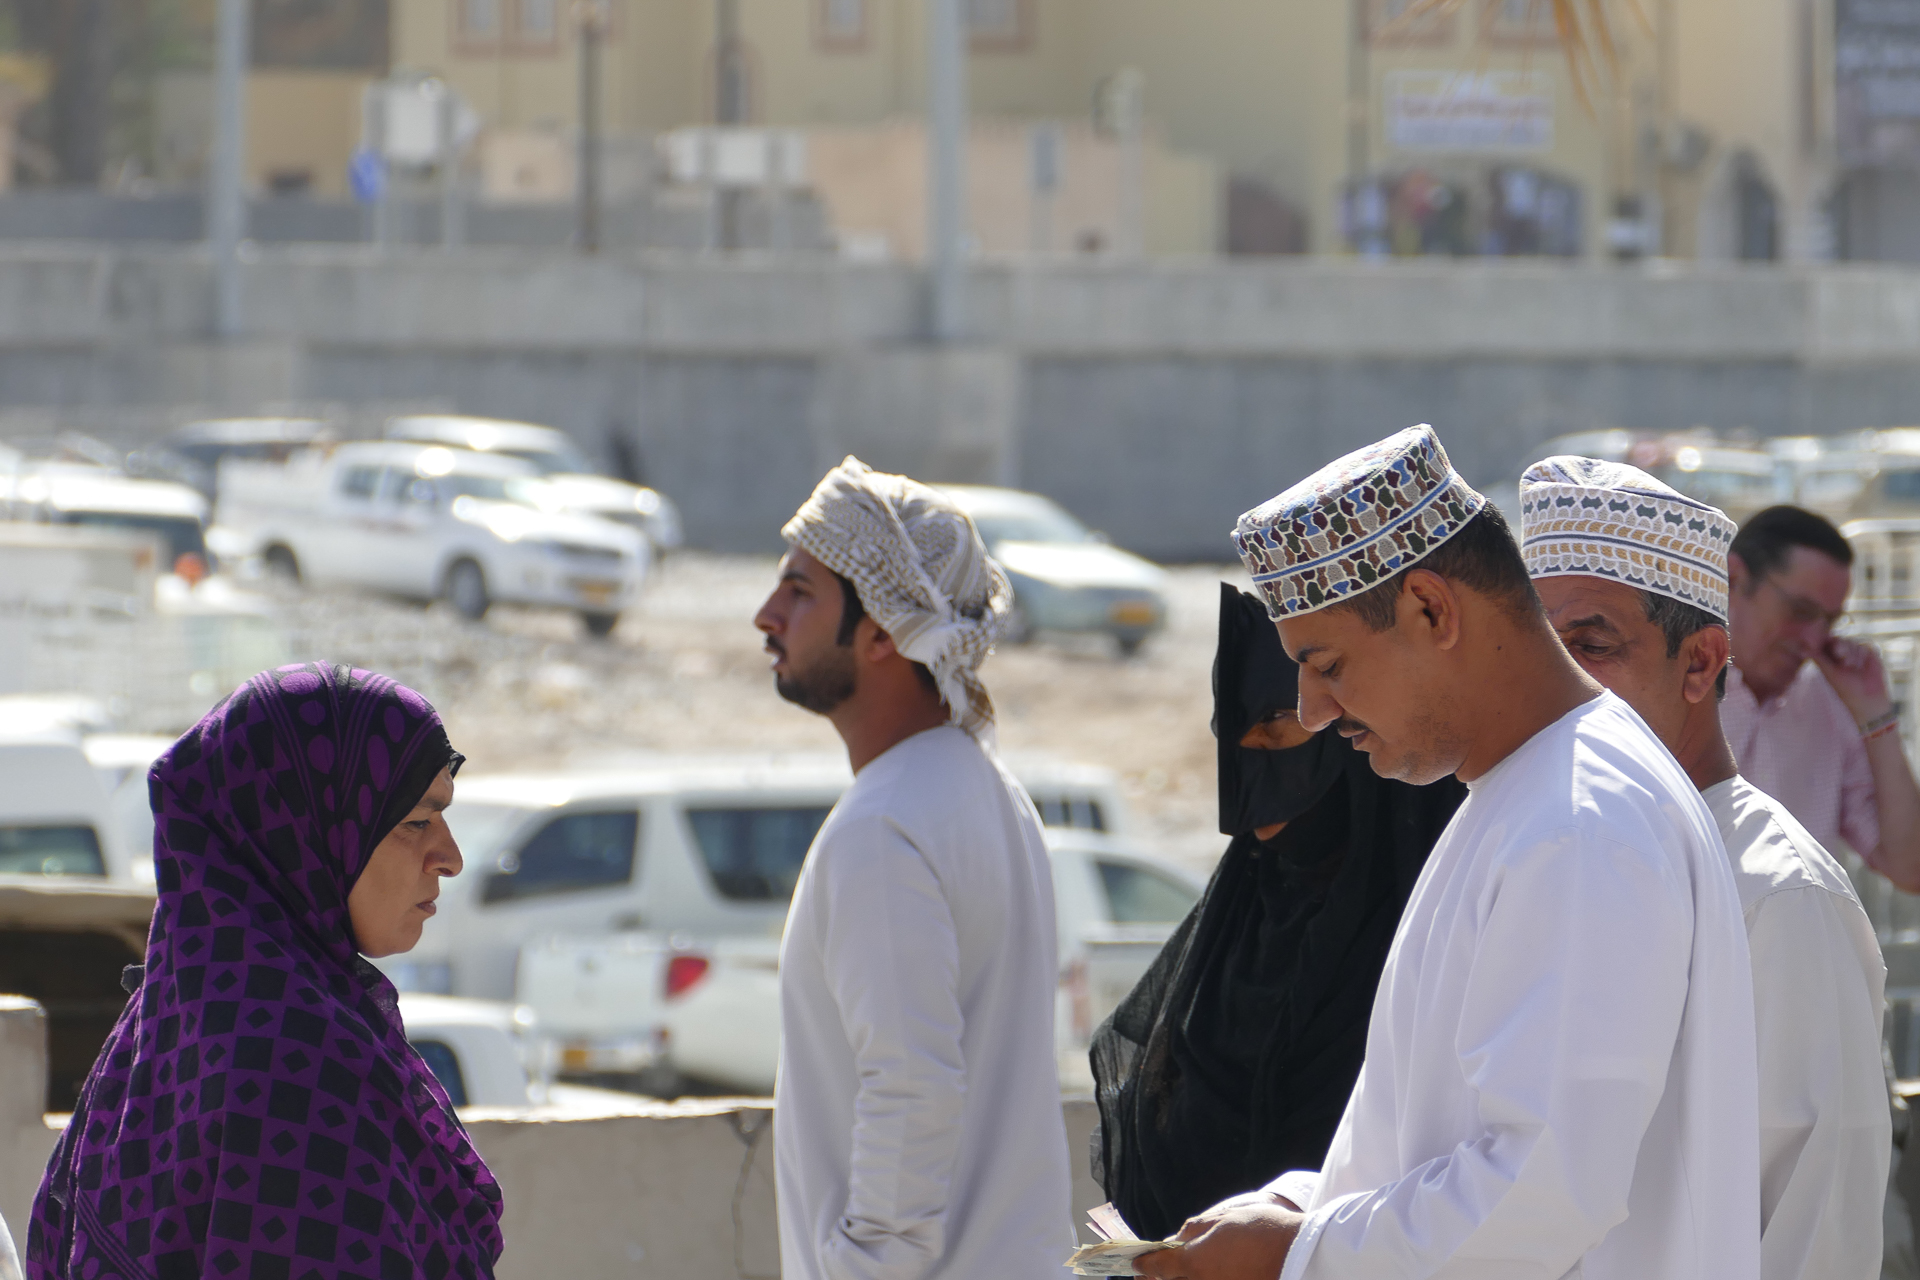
917	1125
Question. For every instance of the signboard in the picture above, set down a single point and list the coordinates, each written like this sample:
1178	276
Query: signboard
1500	111
322	35
1876	81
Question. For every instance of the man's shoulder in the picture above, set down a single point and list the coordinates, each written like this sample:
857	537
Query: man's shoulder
1599	777
930	782
1769	849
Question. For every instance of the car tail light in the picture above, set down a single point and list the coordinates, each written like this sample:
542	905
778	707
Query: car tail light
684	972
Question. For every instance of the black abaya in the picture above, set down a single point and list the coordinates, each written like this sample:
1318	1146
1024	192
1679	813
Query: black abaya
1231	1061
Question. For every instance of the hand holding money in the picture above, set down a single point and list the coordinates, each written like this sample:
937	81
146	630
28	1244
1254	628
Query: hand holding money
1116	1250
1245	1238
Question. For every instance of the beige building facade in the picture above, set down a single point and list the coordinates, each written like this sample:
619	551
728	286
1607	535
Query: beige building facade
1320	125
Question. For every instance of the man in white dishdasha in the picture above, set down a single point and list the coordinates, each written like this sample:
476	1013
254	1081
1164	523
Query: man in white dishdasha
917	1123
1559	1078
1633	576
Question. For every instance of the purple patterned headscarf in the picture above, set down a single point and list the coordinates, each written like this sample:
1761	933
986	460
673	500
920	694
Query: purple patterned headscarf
257	1113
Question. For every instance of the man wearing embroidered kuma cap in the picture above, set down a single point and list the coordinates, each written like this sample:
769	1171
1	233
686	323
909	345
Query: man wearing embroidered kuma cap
1634	578
917	1124
1559	1077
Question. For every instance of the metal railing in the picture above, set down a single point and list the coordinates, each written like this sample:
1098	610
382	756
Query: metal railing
1884	611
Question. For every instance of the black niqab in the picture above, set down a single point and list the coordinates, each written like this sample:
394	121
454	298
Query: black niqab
1232	1060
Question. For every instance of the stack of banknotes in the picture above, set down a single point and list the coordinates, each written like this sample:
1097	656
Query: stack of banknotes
1117	1247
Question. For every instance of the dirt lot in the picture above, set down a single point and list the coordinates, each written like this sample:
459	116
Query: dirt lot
685	672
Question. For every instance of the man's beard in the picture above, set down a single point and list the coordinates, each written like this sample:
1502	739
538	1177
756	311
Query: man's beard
823	686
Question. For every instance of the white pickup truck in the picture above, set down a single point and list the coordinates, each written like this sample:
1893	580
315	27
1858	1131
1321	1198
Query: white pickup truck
594	896
719	1000
428	522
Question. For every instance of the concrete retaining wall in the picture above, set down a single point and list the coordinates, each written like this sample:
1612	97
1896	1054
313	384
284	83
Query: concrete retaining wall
681	1191
1156	400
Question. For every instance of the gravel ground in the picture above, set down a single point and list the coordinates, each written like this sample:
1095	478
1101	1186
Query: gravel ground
685	672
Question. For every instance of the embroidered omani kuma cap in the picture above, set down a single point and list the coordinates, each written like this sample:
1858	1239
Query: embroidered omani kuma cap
1609	520
1354	522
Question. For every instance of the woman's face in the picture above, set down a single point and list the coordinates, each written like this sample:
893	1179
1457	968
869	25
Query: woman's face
1280	731
394	896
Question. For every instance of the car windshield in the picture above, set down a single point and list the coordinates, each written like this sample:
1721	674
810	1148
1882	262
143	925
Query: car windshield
51	851
182	535
553	461
490	488
754	854
1034	524
1137	895
480	829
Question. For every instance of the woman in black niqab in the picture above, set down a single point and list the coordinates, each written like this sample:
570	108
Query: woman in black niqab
1231	1062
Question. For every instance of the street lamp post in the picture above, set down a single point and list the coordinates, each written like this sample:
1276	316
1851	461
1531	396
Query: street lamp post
946	170
226	190
591	18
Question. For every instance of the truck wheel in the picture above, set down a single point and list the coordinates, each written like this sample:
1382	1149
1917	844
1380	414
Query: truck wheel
467	590
281	564
600	625
1129	642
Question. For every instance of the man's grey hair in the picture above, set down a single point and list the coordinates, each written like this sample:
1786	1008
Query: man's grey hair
1677	621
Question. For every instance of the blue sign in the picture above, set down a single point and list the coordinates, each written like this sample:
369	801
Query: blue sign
367	175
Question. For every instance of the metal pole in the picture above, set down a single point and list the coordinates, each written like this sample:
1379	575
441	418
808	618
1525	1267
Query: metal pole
589	180
453	212
946	169
729	76
226	190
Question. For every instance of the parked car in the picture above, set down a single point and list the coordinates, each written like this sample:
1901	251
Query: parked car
487	1053
1114	907
576	481
477	1048
55	819
1863	475
193	453
1065	577
70	493
1737	476
701	846
428	522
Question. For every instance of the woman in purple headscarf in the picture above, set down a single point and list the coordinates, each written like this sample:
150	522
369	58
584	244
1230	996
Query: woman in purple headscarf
257	1113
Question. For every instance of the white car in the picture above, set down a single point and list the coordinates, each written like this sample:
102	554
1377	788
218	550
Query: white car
717	1002
55	819
553	453
486	1053
81	494
428	522
1065	576
706	847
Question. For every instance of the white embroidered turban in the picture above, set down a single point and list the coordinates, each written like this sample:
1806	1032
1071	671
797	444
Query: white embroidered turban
1609	520
920	570
1354	523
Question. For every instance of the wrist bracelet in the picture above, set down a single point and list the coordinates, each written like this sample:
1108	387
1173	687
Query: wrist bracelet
1885	722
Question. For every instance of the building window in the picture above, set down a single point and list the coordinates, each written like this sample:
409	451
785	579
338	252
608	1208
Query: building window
476	21
1525	24
999	26
841	25
1388	25
537	22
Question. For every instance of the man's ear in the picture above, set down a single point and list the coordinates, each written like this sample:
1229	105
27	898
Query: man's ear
1433	598
1706	653
871	643
1737	572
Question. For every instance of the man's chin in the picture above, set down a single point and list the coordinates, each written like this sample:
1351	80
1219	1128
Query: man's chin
1415	771
809	696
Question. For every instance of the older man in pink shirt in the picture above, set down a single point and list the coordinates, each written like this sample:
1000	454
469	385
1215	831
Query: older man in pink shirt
1808	713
